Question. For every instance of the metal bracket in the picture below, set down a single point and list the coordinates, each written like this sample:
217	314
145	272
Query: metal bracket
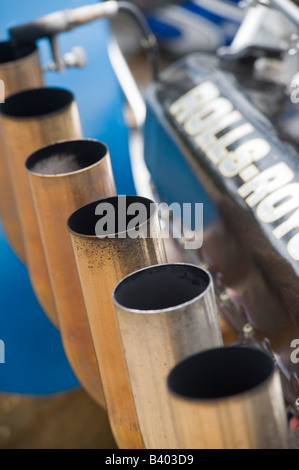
76	57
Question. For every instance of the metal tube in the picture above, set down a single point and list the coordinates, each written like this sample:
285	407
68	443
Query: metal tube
228	398
19	70
250	27
62	178
288	8
30	120
62	21
103	260
165	313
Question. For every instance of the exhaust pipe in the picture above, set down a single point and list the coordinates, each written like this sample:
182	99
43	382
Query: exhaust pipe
62	178
19	70
165	313
30	120
228	398
106	249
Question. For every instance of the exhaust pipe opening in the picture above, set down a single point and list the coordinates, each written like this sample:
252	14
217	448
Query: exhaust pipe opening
20	69
85	220
165	313
8	53
102	261
239	369
66	157
63	177
36	102
162	287
31	119
239	385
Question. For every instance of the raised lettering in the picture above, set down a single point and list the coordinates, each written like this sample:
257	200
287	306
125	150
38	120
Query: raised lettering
219	151
207	114
266	182
269	210
208	137
290	224
249	172
293	246
194	98
251	151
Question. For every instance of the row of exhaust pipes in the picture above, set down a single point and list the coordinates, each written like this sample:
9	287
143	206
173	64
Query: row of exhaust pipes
142	335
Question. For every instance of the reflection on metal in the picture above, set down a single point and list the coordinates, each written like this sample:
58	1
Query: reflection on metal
137	109
127	83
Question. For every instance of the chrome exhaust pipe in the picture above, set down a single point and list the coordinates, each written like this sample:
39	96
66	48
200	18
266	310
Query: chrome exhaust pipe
228	398
62	178
19	70
102	260
30	120
165	313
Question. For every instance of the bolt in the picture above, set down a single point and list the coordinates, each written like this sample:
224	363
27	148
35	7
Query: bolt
248	329
224	297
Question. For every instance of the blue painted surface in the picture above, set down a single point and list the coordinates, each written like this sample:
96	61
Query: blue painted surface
198	14
172	175
35	362
163	29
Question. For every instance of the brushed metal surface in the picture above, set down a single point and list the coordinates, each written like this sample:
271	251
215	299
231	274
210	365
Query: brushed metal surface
165	313
18	73
63	177
30	120
101	263
229	398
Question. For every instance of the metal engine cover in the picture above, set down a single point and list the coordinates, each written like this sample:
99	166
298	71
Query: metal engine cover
206	140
